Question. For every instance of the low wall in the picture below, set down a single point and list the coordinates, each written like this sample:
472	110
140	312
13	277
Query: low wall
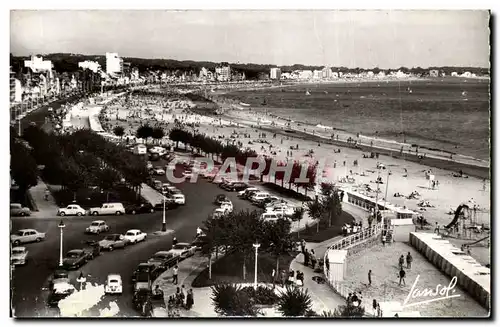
471	276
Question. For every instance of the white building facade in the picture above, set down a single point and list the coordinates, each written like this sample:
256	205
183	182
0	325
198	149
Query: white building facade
114	64
275	73
38	65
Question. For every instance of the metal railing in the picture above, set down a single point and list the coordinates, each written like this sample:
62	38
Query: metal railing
344	244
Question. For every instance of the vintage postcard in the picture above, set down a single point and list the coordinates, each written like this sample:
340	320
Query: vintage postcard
250	163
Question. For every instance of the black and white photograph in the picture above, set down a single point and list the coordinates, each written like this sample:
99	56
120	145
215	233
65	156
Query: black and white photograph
202	163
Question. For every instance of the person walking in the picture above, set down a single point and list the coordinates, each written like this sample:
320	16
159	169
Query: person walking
409	260
189	299
313	259
273	277
174	241
402	275
370	277
306	258
436	230
374	305
175	277
401	261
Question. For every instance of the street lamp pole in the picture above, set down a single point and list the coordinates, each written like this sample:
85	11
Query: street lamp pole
256	246
164	223
61	227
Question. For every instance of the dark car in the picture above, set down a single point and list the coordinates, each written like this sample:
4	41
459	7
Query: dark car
145	267
92	249
75	259
169	204
220	198
200	242
139	208
235	186
164	260
56	296
58	276
154	156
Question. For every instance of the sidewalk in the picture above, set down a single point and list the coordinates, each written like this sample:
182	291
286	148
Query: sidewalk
151	195
323	297
44	208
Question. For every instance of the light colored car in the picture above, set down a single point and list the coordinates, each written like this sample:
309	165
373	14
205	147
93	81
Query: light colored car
179	198
113	241
16	209
159	171
282	209
26	236
183	250
271	216
114	284
108	209
18	255
227	206
149	165
164	259
135	236
219	212
97	227
259	196
246	191
72	210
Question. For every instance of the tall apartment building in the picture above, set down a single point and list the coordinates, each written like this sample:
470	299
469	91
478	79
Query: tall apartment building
275	73
223	72
92	65
327	72
114	64
38	65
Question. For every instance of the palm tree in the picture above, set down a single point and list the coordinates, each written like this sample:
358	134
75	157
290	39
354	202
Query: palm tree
333	207
297	216
278	238
349	310
294	302
230	300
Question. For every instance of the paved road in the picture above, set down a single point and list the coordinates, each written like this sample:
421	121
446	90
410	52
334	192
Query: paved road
28	298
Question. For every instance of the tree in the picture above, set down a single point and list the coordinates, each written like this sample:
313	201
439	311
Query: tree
144	132
158	133
230	300
298	214
119	131
349	310
332	207
327	189
278	239
315	210
107	179
294	302
176	135
23	167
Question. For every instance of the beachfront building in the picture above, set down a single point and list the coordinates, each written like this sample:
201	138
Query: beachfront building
317	74
305	74
223	72
134	75
327	73
92	65
434	73
381	74
275	73
38	65
114	64
286	76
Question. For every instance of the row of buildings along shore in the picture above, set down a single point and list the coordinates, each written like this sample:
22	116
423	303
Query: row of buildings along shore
38	81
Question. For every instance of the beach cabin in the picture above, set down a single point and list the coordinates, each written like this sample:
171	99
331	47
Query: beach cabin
368	203
140	149
401	229
337	265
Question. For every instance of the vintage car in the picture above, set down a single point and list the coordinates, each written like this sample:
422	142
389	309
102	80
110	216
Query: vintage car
92	249
108	209
183	250
139	208
134	236
72	210
60	291
26	236
75	259
164	259
97	227
113	241
114	284
18	256
16	209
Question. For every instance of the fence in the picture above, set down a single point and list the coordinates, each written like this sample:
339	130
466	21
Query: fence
345	244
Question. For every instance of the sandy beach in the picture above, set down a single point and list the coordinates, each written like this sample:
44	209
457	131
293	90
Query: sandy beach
451	192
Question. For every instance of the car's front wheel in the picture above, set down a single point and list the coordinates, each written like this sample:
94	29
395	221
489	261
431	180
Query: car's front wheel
110	248
118	213
62	214
16	242
39	239
79	214
133	212
95	213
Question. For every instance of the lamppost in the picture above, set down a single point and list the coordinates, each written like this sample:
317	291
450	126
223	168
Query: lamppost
256	246
61	227
164	223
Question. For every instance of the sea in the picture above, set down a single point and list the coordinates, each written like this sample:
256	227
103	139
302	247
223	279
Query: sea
450	114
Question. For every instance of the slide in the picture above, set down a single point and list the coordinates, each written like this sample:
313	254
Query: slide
457	215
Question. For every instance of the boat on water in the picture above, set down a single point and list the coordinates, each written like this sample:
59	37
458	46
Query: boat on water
244	104
307	92
326	92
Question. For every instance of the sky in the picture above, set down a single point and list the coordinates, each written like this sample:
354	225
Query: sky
366	39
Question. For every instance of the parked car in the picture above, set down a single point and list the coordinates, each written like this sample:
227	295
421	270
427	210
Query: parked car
179	198
236	186
108	209
97	227
114	284
113	241
271	216
164	259
149	165
271	199
16	209
183	250
199	242
75	259
26	236
92	249
144	267
158	185
220	198
59	276
282	209
72	210
246	194
134	236
218	212
59	291
18	256
227	206
159	171
139	208
258	196
154	156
